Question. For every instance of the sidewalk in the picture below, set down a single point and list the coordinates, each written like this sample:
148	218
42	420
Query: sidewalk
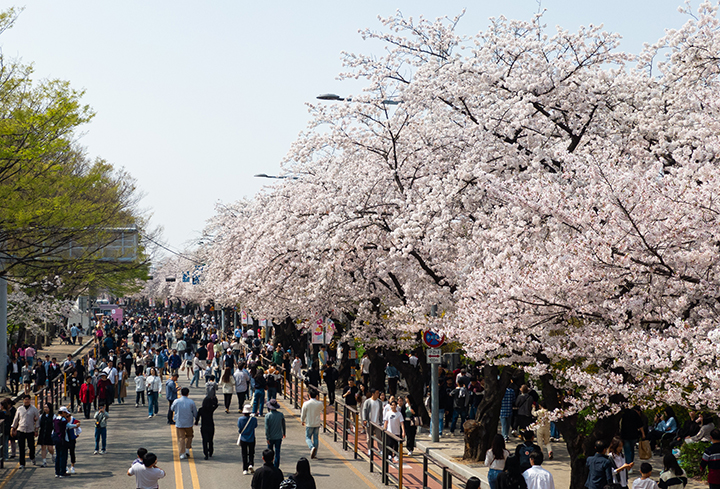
450	450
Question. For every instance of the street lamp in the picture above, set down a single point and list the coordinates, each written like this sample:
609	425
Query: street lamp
338	98
263	175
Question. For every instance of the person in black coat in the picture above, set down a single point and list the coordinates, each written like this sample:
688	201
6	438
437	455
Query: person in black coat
302	476
268	476
207	429
511	477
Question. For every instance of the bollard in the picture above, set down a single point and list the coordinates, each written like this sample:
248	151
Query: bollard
357	430
400	463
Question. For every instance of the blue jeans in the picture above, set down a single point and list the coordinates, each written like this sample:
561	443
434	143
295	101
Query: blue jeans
554	433
492	477
153	407
458	413
629	450
100	433
274	445
441	416
505	423
196	379
272	393
258	401
311	436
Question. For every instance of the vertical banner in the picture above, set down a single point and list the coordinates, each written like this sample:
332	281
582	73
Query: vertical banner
244	317
330	330
318	333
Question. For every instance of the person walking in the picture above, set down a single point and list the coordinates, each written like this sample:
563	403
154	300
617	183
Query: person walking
393	376
246	429
207	428
73	431
105	391
45	435
227	383
25	427
153	391
259	395
302	476
274	429
393	423
185	412
268	476
536	477
140	388
330	377
242	383
409	414
311	419
101	417
87	396
495	459
171	394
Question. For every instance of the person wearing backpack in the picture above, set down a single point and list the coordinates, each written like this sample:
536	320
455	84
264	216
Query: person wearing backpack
523	451
461	401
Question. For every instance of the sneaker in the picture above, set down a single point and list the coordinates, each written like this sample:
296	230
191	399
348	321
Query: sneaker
183	456
33	461
136	404
187	453
22	467
150	416
95	452
103	451
313	452
245	472
251	470
44	464
72	470
410	453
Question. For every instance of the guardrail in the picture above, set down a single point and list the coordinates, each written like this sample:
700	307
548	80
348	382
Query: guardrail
3	444
447	474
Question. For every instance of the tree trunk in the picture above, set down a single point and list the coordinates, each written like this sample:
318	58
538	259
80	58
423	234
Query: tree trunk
288	335
414	378
479	432
377	371
579	445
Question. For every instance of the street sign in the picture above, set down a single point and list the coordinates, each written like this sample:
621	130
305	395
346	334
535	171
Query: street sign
434	355
432	339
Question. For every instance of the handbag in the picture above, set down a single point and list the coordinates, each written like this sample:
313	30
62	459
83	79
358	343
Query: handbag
644	450
416	421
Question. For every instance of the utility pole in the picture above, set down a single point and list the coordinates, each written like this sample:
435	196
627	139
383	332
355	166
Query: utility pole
3	331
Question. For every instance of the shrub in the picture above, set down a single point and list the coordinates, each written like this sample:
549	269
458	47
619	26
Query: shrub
690	455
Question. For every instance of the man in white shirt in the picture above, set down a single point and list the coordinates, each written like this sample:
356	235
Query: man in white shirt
536	477
242	382
147	474
112	373
365	369
311	418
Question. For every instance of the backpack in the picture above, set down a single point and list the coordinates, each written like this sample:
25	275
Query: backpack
288	483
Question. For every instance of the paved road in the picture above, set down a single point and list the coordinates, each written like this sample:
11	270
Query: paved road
129	428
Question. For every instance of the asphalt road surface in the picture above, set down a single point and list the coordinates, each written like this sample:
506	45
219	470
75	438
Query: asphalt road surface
129	428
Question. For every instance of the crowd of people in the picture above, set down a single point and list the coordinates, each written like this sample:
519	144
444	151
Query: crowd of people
151	352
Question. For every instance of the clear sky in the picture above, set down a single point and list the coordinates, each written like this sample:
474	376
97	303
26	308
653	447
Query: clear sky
194	98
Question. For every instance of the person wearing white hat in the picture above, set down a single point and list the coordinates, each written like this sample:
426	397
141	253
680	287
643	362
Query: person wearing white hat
246	438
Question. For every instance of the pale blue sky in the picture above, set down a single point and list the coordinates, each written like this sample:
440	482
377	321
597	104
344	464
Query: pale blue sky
194	98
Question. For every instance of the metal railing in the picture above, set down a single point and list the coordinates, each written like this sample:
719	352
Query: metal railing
446	476
52	393
3	444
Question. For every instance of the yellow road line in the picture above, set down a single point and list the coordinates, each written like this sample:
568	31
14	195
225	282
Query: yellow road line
337	454
193	471
176	458
9	476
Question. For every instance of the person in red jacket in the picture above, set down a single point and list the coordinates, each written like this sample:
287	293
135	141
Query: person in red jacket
87	396
105	391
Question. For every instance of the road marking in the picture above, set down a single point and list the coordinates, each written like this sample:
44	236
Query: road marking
337	454
176	458
9	476
193	471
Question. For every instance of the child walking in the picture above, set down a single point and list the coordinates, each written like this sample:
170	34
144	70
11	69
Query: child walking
101	418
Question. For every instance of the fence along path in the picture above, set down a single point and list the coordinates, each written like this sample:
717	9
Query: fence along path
342	421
